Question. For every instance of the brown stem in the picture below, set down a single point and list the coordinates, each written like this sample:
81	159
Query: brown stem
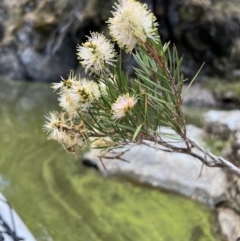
163	66
194	150
191	148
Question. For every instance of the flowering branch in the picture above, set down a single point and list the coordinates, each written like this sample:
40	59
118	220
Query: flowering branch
114	110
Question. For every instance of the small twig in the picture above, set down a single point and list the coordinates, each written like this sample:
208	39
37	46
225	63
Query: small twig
205	157
100	158
117	156
200	174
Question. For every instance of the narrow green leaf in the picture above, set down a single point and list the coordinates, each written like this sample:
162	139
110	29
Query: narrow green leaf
157	85
126	127
193	80
165	46
145	105
136	132
168	104
156	92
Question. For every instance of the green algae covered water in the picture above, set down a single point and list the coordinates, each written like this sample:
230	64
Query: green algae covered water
59	200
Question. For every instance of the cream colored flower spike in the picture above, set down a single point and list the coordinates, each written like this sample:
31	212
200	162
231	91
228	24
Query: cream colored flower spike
132	23
96	53
123	104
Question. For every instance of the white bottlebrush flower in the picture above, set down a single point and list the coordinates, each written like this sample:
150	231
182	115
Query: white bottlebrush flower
95	53
85	93
65	84
123	104
95	90
73	141
68	103
132	23
52	126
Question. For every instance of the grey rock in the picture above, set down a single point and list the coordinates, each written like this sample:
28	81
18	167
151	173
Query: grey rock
193	26
196	95
196	33
230	118
10	66
48	68
229	222
39	39
226	121
218	130
172	171
232	153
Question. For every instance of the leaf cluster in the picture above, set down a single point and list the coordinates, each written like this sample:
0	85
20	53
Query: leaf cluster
158	88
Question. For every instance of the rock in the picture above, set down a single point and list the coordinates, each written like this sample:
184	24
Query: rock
232	153
227	124
10	66
40	67
196	95
172	171
193	26
229	222
233	192
235	52
222	123
38	39
218	130
197	29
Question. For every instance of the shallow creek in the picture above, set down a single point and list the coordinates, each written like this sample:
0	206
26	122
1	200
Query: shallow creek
60	200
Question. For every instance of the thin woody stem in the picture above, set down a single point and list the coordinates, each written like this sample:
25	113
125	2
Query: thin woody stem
193	149
163	66
214	161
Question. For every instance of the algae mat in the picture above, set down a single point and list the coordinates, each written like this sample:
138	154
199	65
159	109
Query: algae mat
60	200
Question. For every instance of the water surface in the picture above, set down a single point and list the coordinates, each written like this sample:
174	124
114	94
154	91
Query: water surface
59	200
